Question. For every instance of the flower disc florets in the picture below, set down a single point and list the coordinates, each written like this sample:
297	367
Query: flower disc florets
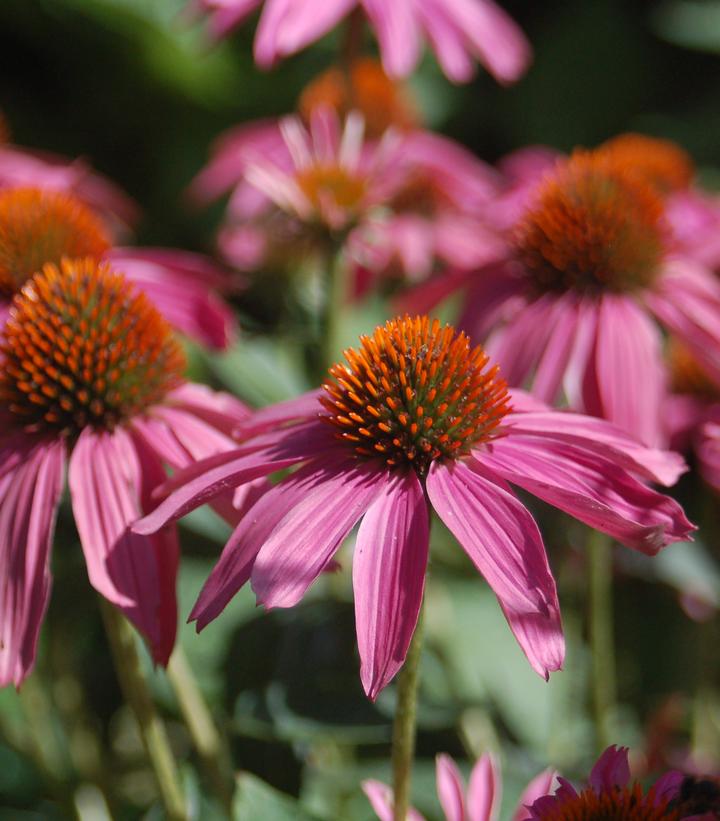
81	347
415	392
43	226
592	228
627	804
661	163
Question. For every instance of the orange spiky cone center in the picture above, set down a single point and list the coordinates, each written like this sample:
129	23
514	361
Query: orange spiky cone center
364	88
628	804
592	228
415	392
81	347
661	163
37	227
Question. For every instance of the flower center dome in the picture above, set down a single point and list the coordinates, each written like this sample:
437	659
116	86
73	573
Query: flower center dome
81	347
43	226
661	163
592	228
415	392
627	804
331	187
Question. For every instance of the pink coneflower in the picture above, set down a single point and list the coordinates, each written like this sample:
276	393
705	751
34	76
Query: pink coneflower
39	226
460	32
92	379
484	792
417	420
590	265
610	794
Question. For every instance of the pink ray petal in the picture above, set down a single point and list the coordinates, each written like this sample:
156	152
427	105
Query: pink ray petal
397	32
336	496
538	787
484	790
389	567
612	770
380	797
503	542
590	488
450	788
29	499
301	408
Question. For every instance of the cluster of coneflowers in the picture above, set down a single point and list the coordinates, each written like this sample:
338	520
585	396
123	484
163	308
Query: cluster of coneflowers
588	342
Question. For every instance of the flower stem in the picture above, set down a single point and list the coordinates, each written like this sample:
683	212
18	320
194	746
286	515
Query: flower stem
351	43
208	743
137	694
601	635
336	290
404	726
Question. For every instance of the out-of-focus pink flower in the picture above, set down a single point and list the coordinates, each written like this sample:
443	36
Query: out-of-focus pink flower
417	420
460	32
91	380
610	794
484	792
590	251
39	226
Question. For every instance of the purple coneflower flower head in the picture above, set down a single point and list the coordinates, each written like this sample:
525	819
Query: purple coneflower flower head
40	226
460	32
415	420
92	380
481	800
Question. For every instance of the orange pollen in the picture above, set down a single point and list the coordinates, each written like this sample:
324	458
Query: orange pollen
43	226
415	392
592	228
628	804
660	163
687	376
331	187
367	89
81	347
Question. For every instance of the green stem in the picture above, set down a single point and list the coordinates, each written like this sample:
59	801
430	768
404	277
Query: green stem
208	743
405	725
137	694
601	635
336	290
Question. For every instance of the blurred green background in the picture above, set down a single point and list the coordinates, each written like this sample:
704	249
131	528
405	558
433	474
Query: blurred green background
130	86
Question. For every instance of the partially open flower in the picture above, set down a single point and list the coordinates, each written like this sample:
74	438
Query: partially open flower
92	379
418	419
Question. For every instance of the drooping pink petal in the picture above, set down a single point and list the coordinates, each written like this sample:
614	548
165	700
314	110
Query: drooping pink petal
450	788
538	787
628	366
494	296
602	438
29	498
336	495
397	31
300	408
590	488
611	770
484	790
222	410
448	42
381	798
108	481
389	567
503	541
708	453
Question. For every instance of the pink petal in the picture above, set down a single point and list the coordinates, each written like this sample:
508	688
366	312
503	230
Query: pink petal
537	788
29	499
389	567
337	494
601	438
628	368
450	788
611	770
495	295
503	542
381	798
590	488
301	408
484	790
222	410
448	41
397	32
109	480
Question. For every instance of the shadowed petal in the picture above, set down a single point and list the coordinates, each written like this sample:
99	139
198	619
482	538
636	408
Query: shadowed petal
611	770
590	488
538	787
389	566
29	498
503	542
484	790
335	497
450	788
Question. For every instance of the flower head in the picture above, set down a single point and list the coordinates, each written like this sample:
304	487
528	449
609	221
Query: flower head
460	32
415	420
91	378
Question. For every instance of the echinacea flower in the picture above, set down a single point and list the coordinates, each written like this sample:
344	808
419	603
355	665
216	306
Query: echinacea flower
484	792
610	794
460	32
91	379
40	226
417	420
590	274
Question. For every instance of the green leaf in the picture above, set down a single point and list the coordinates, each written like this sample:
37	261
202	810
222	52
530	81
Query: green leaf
255	799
